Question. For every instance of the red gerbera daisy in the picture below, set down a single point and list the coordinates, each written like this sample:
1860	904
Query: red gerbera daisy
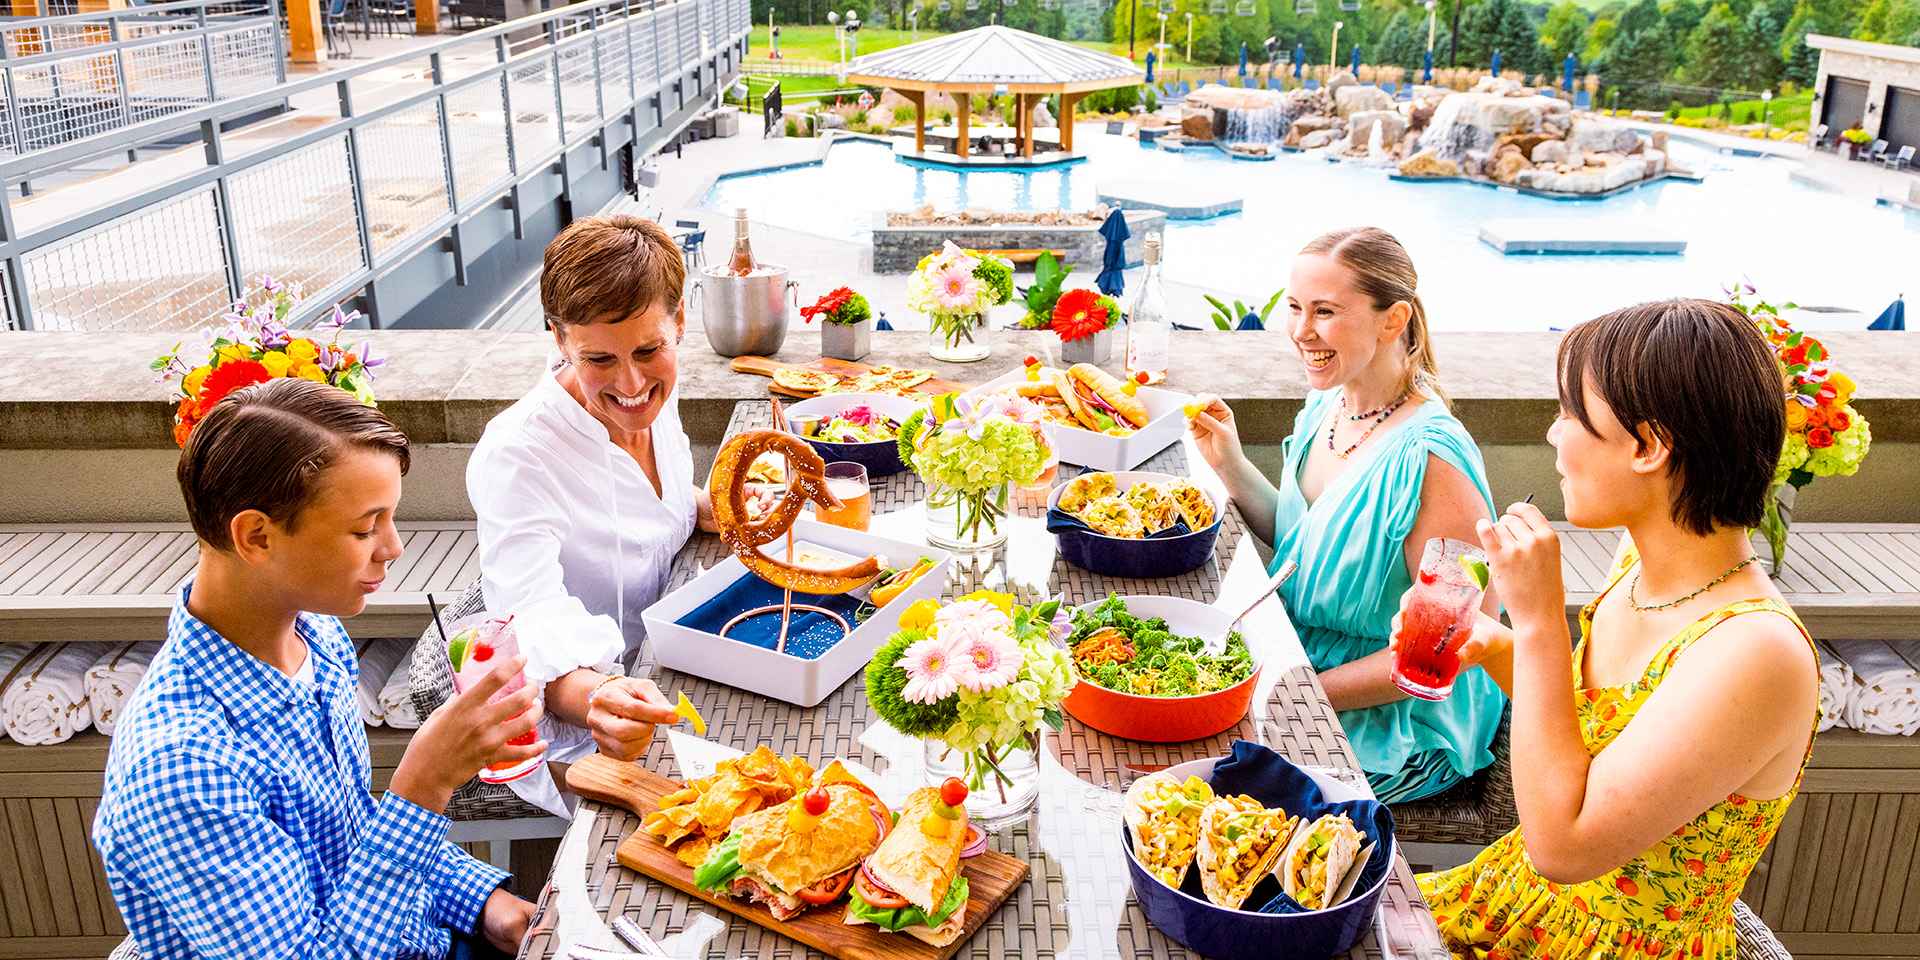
231	376
1079	313
828	304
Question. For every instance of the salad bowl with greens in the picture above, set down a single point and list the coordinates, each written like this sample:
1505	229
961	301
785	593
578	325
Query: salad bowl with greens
859	427
1143	673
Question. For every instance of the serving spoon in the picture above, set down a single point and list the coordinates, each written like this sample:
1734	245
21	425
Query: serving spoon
1218	645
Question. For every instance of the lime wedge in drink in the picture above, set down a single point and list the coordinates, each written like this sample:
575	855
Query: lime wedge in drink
459	646
1476	568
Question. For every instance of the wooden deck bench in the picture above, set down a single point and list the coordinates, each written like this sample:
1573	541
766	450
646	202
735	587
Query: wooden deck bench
1022	256
116	581
1842	876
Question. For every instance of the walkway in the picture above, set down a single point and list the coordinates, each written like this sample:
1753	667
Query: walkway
1827	171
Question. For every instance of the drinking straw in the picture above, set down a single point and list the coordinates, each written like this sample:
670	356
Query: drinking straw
435	610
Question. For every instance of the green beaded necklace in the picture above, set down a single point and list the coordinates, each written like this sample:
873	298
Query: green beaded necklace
1634	601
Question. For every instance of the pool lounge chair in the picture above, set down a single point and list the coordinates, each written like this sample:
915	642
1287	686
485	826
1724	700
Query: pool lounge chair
1904	158
1183	90
1167	91
1583	100
1312	84
1116	127
1875	153
1250	83
1389	86
1817	137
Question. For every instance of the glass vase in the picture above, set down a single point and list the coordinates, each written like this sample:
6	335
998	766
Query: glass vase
1774	527
958	338
967	521
1003	779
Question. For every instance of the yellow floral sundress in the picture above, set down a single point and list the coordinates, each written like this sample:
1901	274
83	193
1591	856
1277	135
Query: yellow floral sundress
1675	900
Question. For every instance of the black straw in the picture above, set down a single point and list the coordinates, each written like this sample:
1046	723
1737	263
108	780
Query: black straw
444	642
1529	499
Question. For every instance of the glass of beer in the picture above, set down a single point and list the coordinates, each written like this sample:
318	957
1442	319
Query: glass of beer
1438	619
847	481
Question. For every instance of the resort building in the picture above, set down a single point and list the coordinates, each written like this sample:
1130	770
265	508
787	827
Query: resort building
1873	86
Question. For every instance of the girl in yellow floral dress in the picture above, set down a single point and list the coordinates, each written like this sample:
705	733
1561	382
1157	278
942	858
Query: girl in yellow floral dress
1652	761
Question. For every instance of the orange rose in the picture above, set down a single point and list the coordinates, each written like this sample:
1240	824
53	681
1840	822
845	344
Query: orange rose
1820	438
1817	417
1796	416
1840	420
180	431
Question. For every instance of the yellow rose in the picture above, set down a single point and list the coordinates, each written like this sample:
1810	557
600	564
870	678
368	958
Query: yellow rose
234	351
194	381
277	363
301	349
1002	600
1842	388
919	616
309	371
1796	415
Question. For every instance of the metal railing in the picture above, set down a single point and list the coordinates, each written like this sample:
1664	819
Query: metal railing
70	77
338	202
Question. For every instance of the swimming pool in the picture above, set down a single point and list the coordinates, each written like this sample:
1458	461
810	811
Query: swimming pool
1747	219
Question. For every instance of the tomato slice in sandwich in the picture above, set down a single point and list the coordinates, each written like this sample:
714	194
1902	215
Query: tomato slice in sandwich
876	893
830	889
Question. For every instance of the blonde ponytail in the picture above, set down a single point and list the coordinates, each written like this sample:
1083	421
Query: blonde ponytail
1384	272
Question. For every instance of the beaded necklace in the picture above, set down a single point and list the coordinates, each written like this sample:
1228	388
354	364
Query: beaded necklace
1634	601
1379	415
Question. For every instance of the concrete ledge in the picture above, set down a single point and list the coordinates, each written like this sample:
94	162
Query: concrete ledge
1513	235
1179	201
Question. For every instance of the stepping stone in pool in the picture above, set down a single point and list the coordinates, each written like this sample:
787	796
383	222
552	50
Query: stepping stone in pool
1551	235
1179	201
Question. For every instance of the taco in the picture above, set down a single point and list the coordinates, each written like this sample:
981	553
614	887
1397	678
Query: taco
1085	489
1240	841
1163	815
1157	509
1113	517
1195	506
1317	859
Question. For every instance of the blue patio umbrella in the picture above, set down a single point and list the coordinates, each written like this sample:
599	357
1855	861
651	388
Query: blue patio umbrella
1894	317
1251	321
1299	58
1496	63
880	322
1571	62
1429	77
1356	60
1112	280
1243	58
1150	61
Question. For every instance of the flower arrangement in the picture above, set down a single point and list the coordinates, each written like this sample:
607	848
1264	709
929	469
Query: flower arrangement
1826	437
955	286
969	459
1855	135
1083	313
980	674
840	305
255	347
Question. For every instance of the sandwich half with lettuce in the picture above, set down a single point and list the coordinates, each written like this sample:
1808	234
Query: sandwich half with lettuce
797	854
912	884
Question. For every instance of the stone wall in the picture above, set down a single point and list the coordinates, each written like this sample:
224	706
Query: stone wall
899	249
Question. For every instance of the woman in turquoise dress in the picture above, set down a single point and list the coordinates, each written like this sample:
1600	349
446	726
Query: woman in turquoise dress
1376	466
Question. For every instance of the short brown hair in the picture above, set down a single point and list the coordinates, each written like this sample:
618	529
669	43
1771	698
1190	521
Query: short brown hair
1698	375
1384	272
264	448
610	267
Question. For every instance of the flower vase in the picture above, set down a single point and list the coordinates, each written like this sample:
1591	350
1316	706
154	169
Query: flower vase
1003	779
967	521
1774	527
846	341
1095	348
957	338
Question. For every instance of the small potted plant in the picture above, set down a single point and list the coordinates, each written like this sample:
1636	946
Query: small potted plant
1085	320
846	323
1855	138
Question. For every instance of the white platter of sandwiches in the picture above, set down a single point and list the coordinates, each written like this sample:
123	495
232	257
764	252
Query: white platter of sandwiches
1092	419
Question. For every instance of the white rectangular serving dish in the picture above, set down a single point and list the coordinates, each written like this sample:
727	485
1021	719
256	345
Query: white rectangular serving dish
779	675
1165	422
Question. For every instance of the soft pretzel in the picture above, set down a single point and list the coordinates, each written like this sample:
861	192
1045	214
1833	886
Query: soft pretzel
806	480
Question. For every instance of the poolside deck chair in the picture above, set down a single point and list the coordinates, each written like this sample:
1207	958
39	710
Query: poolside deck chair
1312	84
1875	153
1116	127
1583	100
1183	90
1817	137
1167	91
1903	158
1250	83
1389	86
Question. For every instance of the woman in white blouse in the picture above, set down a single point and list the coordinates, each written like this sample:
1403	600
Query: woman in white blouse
584	490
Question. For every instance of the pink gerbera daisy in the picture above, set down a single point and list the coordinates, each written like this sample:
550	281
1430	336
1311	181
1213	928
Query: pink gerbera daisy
954	286
931	674
989	660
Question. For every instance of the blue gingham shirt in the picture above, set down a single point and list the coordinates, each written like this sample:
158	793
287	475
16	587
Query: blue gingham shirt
237	822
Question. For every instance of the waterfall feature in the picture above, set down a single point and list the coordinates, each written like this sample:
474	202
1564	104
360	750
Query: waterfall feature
1476	121
1268	124
1376	150
1453	134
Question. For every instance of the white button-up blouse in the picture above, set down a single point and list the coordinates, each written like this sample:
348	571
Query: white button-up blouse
574	542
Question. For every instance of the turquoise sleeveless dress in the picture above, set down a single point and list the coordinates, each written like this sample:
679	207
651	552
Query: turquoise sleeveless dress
1347	590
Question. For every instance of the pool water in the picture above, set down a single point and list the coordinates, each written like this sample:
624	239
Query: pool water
1747	220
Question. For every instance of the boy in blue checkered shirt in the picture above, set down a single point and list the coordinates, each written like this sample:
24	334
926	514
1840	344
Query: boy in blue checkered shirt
237	819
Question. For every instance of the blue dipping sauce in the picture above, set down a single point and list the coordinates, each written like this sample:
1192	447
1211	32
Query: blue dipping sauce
808	637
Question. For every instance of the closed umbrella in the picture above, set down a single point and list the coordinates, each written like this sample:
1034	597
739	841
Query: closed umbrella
1894	317
1356	60
1496	63
1251	321
1570	64
1243	58
1299	58
880	323
1429	77
1112	280
1150	59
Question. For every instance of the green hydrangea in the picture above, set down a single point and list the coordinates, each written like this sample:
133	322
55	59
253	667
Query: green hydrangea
1006	452
885	679
1842	459
997	274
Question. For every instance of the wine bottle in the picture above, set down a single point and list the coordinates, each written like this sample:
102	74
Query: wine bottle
1148	325
742	262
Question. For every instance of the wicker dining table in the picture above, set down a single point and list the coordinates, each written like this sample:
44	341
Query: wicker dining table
1076	903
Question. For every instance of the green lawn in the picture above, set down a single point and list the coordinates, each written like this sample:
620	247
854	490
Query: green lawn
1785	110
801	42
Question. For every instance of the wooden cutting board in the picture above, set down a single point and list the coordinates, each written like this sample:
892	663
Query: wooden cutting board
991	877
767	367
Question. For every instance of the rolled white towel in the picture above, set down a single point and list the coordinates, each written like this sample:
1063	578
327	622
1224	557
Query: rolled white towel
113	678
11	657
1886	692
396	698
1836	686
46	700
377	660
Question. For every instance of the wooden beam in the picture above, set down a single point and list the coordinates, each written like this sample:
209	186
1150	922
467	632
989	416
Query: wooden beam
1027	100
919	100
1065	120
961	144
426	17
304	34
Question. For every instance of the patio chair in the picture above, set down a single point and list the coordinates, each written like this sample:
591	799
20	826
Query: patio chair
691	248
1583	100
1752	940
1473	813
1182	90
1116	128
1875	153
335	27
1166	91
1312	84
1389	87
1250	83
1817	137
1904	158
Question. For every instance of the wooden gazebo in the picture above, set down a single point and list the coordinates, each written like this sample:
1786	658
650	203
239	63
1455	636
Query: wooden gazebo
994	60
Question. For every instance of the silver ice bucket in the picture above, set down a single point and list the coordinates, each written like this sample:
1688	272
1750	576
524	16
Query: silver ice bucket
747	316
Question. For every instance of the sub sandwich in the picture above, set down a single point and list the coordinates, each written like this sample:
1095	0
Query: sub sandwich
912	884
797	854
1099	401
1318	858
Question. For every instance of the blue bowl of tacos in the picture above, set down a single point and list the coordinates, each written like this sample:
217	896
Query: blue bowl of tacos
1134	524
1321	856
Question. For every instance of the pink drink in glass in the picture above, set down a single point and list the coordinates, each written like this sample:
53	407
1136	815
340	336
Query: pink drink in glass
1437	621
475	649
